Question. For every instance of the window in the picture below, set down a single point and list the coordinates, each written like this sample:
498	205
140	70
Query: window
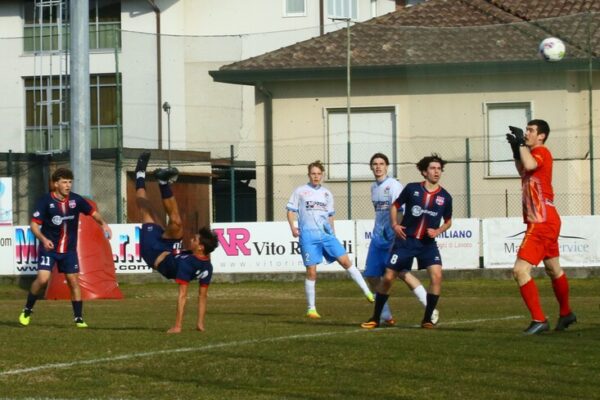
294	8
372	130
499	117
342	9
46	25
47	113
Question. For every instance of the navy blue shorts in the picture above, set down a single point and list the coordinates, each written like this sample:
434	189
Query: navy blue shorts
67	263
404	252
153	245
168	267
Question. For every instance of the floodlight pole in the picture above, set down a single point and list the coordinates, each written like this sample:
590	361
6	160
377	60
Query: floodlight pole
167	108
348	114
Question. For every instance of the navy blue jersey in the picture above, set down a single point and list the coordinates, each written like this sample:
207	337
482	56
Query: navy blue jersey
423	209
185	266
59	219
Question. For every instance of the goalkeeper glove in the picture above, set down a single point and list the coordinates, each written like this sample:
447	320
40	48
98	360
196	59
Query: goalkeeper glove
516	139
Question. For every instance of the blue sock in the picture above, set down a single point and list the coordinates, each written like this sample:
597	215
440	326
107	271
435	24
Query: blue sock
165	190
77	308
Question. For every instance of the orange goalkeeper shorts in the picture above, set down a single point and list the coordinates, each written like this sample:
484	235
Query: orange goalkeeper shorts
541	240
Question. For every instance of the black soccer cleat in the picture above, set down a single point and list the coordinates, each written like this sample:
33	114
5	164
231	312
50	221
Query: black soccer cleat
564	322
168	175
537	327
142	162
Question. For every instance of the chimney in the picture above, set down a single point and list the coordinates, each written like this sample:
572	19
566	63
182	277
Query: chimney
400	4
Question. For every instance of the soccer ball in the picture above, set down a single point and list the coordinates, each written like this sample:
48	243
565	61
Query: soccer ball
552	49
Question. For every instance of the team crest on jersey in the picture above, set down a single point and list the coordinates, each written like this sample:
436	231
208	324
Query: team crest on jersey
439	200
72	204
386	191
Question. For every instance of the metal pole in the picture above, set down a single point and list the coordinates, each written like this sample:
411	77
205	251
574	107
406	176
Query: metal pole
80	97
232	183
348	110
468	177
167	108
119	163
590	111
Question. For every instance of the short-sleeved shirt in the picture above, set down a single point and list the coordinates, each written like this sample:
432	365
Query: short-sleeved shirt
423	209
314	205
59	219
185	267
383	195
538	193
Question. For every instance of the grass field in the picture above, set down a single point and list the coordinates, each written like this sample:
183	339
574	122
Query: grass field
259	346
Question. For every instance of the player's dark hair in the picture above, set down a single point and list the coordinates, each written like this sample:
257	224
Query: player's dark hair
208	239
62	173
317	164
542	127
424	162
379	155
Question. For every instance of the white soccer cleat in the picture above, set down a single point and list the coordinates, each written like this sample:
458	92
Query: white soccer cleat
435	316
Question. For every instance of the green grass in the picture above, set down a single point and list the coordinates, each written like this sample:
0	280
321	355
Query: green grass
259	346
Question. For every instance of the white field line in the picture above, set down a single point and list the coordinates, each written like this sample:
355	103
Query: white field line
220	345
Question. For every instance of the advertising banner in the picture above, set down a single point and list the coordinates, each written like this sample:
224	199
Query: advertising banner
268	247
6	201
125	245
6	250
459	245
579	241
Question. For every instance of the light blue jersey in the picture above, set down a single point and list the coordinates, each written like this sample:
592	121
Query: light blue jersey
314	206
383	195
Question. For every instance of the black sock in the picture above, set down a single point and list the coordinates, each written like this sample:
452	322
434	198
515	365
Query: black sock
140	171
77	308
380	300
432	300
31	299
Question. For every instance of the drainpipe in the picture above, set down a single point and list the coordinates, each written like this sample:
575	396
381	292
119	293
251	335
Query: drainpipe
268	121
321	18
158	71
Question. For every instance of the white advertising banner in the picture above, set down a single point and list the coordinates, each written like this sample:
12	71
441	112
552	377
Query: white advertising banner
7	250
459	245
579	241
6	201
268	247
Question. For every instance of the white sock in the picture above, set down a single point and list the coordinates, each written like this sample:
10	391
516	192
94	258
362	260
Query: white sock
386	313
358	278
309	288
421	294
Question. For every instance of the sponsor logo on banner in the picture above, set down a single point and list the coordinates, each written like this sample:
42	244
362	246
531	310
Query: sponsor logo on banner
6	250
267	247
125	246
577	242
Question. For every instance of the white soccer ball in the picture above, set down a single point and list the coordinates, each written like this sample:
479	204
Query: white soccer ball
552	49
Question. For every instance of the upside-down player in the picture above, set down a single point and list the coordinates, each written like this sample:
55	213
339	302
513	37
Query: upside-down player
157	243
426	203
384	191
533	161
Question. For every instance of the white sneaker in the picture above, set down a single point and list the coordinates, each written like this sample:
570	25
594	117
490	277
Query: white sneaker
435	316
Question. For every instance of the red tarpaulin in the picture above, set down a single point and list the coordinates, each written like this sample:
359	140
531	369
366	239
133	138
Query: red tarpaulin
97	277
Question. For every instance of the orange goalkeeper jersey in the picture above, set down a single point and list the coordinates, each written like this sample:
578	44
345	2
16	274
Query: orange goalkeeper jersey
538	194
